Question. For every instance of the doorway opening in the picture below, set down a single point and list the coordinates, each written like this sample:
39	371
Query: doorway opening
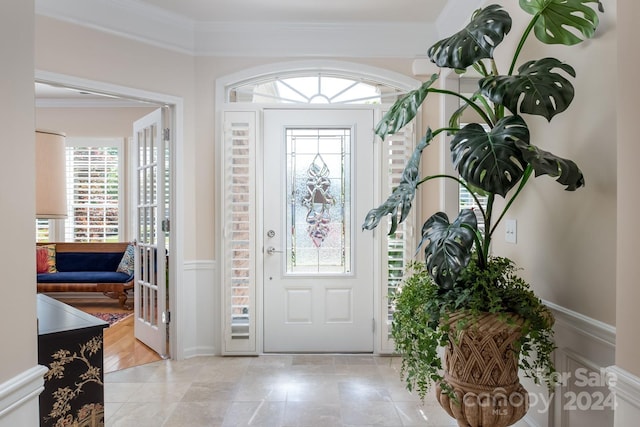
58	99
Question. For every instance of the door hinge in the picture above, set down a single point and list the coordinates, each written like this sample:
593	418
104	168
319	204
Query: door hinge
166	317
166	225
373	325
166	133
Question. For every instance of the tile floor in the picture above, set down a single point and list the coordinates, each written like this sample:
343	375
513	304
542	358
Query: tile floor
269	391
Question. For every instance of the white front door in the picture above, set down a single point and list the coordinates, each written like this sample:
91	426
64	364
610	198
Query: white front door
150	284
318	265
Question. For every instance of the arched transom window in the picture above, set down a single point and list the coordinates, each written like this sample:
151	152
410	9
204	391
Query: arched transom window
316	88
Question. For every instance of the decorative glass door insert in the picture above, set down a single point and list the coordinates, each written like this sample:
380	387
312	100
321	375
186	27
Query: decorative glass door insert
318	201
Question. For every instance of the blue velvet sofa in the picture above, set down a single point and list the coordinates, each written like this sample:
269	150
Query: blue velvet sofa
90	267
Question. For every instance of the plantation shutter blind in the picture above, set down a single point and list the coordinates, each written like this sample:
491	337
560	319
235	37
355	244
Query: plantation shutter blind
399	247
239	246
93	192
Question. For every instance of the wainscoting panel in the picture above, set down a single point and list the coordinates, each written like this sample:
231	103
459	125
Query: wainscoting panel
19	398
586	347
201	318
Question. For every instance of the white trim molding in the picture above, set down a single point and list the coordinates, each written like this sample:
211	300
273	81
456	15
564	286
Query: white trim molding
584	325
20	390
626	388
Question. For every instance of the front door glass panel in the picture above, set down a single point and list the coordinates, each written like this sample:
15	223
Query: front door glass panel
318	201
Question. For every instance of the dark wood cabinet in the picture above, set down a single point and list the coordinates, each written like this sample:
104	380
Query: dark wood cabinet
70	346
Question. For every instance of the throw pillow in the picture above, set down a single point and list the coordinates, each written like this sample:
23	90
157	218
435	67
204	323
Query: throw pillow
46	259
127	262
42	266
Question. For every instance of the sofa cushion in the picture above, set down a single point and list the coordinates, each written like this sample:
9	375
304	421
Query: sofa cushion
88	261
127	262
84	277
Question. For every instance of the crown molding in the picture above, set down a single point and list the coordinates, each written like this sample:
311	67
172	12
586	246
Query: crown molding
124	18
157	27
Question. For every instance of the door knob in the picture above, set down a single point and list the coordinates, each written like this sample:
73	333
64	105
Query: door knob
271	250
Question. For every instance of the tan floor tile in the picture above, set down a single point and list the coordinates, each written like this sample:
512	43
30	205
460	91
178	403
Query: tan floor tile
263	414
141	415
197	414
270	391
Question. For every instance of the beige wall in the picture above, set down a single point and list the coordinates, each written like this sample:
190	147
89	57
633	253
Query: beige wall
80	52
628	91
567	240
17	188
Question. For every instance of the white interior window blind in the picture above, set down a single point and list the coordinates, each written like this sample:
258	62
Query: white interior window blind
93	190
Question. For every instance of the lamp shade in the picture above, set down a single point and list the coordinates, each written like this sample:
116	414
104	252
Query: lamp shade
51	191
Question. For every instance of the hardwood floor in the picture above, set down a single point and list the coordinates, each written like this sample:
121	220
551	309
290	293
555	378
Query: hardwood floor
121	349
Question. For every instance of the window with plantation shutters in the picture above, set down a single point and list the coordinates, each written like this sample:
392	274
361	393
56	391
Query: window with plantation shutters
239	207
93	191
43	231
400	246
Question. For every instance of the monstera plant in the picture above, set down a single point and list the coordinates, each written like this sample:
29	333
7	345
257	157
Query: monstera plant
495	159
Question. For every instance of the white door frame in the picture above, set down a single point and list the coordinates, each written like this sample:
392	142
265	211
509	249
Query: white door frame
222	86
176	261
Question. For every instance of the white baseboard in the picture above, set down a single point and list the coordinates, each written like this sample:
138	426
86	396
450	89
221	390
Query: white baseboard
199	351
21	390
626	387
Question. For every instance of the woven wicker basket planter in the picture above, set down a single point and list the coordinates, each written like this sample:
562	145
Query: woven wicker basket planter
481	366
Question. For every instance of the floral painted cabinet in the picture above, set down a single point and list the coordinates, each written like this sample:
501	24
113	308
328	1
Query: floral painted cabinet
70	345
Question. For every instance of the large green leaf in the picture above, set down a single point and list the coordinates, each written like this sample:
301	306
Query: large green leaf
545	163
560	21
490	160
537	89
476	41
448	246
402	196
404	110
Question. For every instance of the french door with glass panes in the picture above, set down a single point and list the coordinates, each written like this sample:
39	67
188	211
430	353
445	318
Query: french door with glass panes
152	207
